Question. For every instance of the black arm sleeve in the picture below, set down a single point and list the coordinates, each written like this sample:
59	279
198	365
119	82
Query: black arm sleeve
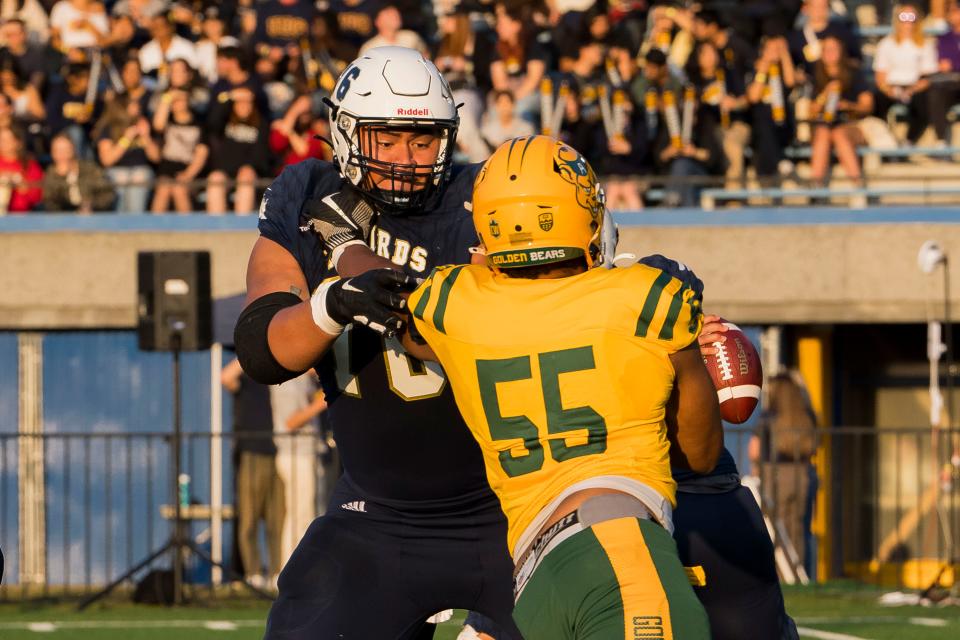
250	338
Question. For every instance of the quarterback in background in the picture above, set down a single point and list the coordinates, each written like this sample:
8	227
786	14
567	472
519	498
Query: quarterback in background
575	386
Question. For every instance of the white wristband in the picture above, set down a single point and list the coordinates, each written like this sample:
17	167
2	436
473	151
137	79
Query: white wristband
339	249
318	309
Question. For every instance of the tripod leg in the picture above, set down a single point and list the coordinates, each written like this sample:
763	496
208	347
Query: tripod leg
86	602
190	544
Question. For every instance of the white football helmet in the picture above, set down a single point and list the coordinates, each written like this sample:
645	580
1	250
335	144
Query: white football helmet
391	87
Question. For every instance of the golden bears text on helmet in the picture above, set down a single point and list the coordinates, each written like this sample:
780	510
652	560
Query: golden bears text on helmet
537	201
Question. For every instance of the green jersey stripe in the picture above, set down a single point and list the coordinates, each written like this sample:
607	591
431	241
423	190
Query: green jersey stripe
666	331
651	303
443	296
422	304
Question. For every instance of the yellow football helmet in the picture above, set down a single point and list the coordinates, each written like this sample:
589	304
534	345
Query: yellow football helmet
537	201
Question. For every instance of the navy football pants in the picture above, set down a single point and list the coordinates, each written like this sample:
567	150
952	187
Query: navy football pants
369	571
725	534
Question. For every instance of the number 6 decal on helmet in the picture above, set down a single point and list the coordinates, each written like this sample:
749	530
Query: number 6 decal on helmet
348	75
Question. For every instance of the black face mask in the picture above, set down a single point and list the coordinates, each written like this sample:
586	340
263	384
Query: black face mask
394	197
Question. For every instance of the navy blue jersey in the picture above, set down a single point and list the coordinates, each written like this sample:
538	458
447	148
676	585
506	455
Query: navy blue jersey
724	475
397	427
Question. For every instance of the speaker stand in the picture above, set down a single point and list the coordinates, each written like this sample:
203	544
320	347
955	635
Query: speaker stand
177	543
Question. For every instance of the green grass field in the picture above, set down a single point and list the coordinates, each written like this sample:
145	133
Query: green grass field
824	613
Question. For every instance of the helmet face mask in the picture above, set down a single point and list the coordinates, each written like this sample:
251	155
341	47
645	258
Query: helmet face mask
397	187
393	90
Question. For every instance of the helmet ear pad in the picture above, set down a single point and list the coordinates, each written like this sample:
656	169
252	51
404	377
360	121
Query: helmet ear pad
392	88
537	201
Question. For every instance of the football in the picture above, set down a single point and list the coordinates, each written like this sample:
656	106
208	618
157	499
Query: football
737	375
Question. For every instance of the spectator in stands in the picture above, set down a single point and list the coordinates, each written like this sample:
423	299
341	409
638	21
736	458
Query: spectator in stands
672	32
213	36
126	147
240	151
71	184
723	100
26	101
390	33
500	121
133	85
946	90
183	78
519	62
842	98
31	16
326	58
654	78
902	63
68	109
164	47
686	160
753	19
585	79
233	73
594	24
806	43
36	61
281	82
624	157
771	113
652	88
183	152
354	22
454	57
78	24
20	176
282	27
132	21
294	136
738	55
260	495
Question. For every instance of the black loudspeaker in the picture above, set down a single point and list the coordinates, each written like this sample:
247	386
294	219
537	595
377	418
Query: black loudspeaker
173	301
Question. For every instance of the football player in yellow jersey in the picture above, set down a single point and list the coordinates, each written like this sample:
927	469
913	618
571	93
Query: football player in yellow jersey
575	382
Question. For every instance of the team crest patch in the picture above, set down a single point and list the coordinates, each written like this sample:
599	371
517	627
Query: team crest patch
494	229
546	221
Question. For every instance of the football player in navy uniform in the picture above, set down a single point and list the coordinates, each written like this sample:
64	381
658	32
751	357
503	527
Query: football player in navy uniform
720	532
413	527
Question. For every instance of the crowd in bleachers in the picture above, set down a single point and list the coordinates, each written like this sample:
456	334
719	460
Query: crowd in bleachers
183	105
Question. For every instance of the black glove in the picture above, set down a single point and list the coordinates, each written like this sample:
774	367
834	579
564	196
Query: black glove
340	219
372	299
678	270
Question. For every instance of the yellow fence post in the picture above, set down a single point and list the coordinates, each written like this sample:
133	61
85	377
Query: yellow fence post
813	362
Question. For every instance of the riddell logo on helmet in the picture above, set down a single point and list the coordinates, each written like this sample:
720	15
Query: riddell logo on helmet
413	111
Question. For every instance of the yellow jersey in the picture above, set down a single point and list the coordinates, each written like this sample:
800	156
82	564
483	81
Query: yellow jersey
563	382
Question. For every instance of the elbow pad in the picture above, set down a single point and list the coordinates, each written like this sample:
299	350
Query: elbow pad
250	338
